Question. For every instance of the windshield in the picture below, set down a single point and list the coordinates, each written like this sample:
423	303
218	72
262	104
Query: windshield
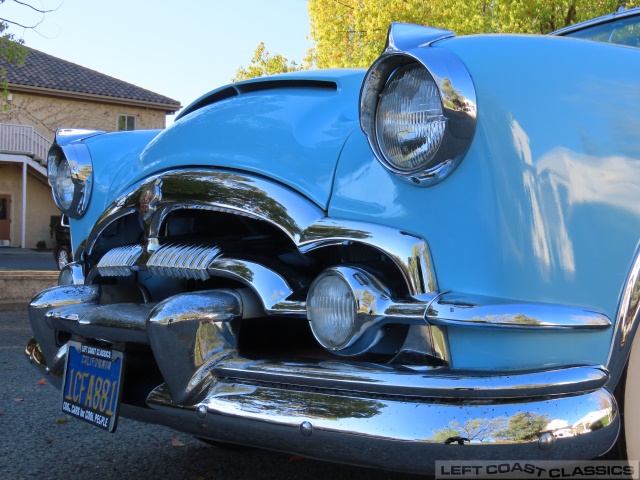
622	31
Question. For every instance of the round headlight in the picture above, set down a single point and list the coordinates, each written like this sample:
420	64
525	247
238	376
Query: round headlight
69	169
331	310
63	188
409	122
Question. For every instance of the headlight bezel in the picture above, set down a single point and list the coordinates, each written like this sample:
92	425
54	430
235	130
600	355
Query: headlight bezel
374	312
457	98
81	172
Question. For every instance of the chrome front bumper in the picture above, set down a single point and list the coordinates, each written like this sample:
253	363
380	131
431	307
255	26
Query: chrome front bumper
390	416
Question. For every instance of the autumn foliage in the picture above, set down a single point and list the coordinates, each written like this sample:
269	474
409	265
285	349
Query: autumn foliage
351	33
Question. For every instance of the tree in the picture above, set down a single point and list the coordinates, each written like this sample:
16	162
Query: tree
351	33
264	64
525	426
12	50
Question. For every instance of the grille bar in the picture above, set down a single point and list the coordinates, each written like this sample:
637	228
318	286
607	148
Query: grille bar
118	261
183	261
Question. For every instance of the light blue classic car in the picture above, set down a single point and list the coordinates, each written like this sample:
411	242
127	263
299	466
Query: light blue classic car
435	259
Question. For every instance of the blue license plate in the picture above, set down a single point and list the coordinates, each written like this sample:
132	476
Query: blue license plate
92	379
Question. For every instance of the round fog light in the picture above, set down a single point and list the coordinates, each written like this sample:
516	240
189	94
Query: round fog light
331	310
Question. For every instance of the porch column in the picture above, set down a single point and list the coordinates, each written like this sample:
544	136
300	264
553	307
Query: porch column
24	204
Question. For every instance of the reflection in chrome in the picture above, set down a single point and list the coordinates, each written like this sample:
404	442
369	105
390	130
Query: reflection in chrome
271	288
401	434
43	302
628	317
54	370
118	261
424	343
400	380
72	274
193	332
457	94
468	310
81	170
303	222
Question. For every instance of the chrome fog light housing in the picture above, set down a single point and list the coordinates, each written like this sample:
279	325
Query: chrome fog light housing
351	312
331	310
69	170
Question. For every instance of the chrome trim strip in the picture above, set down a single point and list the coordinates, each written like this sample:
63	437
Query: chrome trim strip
410	253
124	322
65	136
401	380
403	36
303	222
627	320
453	308
271	288
405	435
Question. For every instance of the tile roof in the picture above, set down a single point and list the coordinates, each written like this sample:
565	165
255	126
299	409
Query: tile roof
41	70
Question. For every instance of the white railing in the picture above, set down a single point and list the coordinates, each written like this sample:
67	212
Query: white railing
23	139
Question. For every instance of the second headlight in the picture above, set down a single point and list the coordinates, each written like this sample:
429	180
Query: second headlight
70	173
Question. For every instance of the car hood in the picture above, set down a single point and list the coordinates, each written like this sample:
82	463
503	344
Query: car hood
290	128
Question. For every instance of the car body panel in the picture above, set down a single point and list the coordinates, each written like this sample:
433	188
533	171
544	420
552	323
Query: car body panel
284	132
506	289
109	154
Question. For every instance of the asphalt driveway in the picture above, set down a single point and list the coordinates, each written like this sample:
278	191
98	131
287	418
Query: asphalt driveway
26	259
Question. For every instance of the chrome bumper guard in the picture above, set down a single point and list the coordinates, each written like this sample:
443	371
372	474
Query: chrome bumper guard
390	416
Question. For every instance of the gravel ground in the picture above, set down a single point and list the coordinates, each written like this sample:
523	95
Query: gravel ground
39	441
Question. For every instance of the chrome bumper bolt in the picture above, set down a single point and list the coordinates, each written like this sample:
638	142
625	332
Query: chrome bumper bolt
306	429
546	440
202	411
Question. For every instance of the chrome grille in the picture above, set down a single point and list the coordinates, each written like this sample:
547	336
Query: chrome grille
118	262
183	261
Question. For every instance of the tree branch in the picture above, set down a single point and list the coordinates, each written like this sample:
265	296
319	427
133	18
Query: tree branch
4	20
343	4
37	9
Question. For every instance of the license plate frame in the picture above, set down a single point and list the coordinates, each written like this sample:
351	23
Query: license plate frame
92	382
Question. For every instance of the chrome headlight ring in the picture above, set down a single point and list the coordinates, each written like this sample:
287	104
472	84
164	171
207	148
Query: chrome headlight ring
70	173
418	111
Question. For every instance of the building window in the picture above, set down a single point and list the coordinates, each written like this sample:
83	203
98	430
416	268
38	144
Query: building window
125	122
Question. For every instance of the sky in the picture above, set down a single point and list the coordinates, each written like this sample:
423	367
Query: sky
177	48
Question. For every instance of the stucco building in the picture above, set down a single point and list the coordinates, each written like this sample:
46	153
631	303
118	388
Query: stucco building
47	93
